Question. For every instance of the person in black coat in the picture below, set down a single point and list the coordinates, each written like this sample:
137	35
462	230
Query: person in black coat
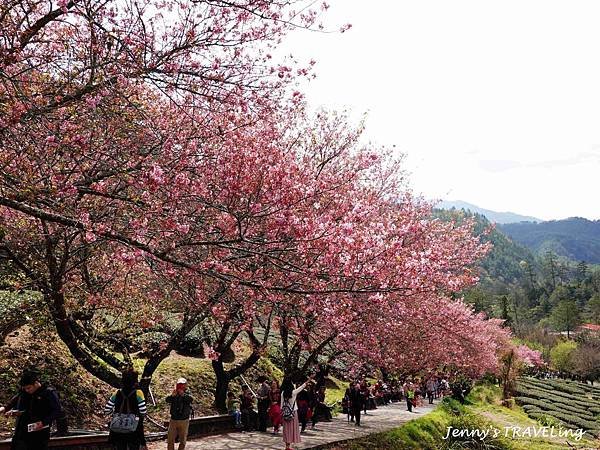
36	406
357	402
304	400
180	409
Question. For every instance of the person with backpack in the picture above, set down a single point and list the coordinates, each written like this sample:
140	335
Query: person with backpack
181	410
128	408
289	412
36	407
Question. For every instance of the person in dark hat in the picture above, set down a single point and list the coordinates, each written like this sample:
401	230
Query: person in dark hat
247	408
263	402
130	400
36	406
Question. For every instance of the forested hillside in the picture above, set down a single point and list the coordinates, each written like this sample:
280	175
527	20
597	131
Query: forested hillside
503	265
533	292
574	238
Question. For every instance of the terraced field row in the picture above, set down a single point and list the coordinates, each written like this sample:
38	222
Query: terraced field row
570	403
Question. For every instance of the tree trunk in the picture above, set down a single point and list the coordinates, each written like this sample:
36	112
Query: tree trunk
222	386
79	352
385	375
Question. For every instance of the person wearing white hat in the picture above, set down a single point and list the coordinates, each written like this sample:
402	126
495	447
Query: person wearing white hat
181	409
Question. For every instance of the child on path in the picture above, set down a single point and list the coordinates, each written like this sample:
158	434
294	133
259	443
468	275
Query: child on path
233	407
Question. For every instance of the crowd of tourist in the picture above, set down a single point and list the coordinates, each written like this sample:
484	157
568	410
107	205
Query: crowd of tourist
363	396
285	409
292	410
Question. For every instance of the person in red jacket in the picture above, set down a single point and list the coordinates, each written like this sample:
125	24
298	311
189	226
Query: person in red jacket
275	408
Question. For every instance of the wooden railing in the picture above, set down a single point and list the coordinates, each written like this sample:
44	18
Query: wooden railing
88	442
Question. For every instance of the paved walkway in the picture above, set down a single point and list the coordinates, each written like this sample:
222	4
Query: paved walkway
381	419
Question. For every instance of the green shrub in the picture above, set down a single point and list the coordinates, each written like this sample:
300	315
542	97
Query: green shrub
553	406
586	422
561	386
552	395
573	420
485	393
531	408
580	404
453	406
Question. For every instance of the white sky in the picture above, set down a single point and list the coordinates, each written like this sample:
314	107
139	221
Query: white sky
495	103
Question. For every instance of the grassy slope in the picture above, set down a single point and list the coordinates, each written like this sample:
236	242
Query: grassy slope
483	410
201	381
82	396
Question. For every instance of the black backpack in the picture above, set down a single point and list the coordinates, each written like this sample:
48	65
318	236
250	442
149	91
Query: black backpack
62	424
287	411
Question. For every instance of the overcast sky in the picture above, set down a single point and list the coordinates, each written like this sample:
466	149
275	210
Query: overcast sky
495	103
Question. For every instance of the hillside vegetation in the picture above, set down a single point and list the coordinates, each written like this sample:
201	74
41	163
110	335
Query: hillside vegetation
574	238
502	265
540	297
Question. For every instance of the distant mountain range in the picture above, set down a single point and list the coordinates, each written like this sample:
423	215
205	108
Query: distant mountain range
492	216
574	238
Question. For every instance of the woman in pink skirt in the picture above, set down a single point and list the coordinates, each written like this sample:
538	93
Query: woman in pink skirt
289	412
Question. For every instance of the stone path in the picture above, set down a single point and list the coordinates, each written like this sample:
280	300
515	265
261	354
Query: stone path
381	419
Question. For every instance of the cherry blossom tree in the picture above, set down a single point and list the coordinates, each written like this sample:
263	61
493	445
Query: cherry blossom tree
530	357
91	98
423	335
232	321
157	169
